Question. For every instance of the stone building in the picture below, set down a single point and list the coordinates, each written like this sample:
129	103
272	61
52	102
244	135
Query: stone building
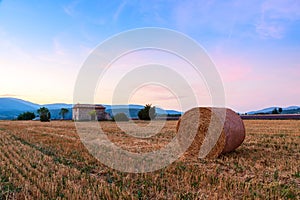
87	112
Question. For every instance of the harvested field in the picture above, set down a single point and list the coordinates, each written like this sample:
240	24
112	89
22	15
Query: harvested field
48	161
272	116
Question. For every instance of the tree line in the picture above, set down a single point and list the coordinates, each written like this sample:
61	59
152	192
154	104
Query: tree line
43	113
147	113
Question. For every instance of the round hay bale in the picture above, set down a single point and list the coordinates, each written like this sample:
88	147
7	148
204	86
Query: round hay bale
213	131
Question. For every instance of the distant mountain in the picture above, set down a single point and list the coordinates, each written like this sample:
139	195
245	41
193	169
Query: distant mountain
10	108
291	111
291	108
132	110
55	113
174	112
10	104
286	110
57	106
131	106
265	110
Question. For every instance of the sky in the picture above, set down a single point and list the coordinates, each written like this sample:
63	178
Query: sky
255	46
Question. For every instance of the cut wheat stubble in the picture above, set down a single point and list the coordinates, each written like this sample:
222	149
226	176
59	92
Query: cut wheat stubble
222	123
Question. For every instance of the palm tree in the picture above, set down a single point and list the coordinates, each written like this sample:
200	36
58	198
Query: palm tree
62	112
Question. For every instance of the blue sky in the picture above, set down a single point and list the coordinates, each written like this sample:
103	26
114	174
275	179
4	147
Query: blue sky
254	44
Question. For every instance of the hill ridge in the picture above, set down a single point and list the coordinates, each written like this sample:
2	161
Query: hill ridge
11	107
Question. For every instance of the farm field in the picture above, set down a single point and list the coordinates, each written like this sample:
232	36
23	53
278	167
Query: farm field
48	161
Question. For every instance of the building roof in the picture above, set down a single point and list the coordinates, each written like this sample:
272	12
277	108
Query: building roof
91	106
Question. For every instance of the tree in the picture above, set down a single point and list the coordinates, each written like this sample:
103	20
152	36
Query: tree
62	112
280	110
93	114
121	117
44	114
26	116
275	111
147	113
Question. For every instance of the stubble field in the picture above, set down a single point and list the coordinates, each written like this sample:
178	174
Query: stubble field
48	161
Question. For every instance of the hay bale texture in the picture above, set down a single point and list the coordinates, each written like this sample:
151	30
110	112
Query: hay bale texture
202	119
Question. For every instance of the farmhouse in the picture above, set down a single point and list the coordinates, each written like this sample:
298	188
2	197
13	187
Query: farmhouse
86	112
